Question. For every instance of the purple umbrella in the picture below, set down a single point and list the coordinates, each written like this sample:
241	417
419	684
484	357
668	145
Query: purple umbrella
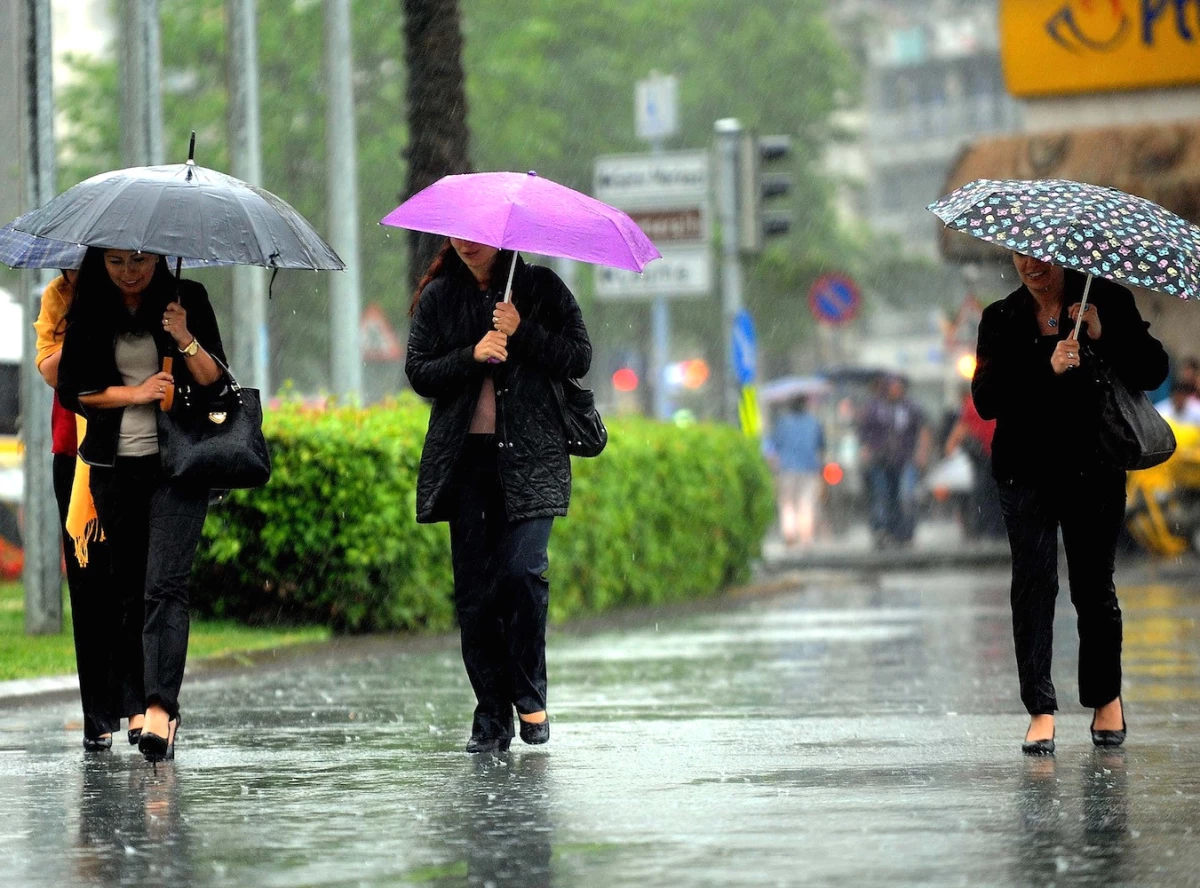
522	211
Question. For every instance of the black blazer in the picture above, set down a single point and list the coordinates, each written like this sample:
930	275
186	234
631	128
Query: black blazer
89	366
551	342
1047	424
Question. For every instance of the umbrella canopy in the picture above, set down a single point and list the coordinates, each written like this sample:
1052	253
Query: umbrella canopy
182	210
21	250
522	211
1099	231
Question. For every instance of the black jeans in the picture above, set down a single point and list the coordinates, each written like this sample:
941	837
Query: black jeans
890	513
153	528
95	617
1090	509
501	594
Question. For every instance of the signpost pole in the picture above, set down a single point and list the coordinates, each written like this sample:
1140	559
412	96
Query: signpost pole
728	134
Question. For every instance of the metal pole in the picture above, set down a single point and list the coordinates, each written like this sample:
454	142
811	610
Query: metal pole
132	46
660	338
728	136
42	536
152	72
344	346
250	331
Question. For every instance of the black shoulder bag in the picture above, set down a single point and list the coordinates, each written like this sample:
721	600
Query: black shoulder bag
585	431
1133	435
215	441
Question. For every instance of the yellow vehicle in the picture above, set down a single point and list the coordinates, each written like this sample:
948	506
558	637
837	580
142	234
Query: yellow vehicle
1163	503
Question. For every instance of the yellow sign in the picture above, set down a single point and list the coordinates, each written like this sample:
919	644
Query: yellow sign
1052	47
749	412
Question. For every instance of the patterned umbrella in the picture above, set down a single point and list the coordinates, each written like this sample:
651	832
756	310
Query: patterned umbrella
1099	231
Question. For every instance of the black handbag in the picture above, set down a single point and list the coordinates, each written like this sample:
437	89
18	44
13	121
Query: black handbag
215	440
1133	435
585	431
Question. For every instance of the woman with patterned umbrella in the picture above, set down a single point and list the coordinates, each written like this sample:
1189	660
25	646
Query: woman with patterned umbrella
1073	246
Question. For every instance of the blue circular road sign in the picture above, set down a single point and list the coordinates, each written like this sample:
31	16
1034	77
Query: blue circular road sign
834	299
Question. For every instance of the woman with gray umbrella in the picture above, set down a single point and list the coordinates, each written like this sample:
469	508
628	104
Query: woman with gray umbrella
129	314
1047	411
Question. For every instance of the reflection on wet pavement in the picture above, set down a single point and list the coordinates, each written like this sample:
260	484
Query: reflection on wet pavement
852	733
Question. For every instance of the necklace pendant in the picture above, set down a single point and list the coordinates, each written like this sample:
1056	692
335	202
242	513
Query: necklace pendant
1052	323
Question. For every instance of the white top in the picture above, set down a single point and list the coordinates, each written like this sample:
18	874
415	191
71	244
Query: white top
137	359
1189	415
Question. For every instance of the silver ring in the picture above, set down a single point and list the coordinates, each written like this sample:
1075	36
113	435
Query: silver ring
1071	355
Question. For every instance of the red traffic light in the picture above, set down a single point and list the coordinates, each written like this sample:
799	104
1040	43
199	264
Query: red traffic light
833	474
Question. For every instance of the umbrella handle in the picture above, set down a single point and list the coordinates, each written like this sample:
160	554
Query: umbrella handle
1082	308
512	269
169	401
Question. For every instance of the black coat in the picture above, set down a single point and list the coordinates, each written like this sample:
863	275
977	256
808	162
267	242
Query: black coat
89	366
1047	424
551	342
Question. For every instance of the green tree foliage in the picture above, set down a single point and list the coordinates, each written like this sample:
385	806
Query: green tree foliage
549	86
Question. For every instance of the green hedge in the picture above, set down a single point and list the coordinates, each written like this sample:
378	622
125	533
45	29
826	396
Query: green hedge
666	513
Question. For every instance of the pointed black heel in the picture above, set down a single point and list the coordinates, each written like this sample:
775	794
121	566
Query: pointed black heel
1109	739
478	745
158	749
1039	747
536	733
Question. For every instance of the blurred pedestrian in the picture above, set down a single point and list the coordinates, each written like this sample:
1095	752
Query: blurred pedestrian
972	434
495	464
1182	406
95	611
129	313
1189	375
796	449
894	440
1045	460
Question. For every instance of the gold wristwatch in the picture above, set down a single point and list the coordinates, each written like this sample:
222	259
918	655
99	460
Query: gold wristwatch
192	348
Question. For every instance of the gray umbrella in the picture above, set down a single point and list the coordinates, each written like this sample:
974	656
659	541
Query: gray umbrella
183	210
21	250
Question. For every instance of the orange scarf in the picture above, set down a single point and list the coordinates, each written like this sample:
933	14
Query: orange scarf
83	524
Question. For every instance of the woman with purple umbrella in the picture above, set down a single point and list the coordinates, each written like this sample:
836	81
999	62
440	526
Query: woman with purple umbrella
495	463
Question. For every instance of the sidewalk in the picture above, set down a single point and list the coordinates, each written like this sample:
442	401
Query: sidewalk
936	544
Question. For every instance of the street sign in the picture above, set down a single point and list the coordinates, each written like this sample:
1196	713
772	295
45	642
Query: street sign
656	107
667	195
681	272
745	348
633	181
834	299
379	340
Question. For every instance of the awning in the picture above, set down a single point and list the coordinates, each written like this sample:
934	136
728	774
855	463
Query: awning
1160	162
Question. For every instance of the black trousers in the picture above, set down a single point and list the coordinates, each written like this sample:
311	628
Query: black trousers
501	594
1089	509
95	617
153	528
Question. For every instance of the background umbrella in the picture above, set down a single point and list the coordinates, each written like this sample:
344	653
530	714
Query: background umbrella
522	211
1096	230
182	210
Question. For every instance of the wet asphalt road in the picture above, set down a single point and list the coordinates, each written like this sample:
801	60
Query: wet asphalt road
851	733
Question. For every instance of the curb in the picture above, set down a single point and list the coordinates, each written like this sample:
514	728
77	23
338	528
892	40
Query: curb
976	555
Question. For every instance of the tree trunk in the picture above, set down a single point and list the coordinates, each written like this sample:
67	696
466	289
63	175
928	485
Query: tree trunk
438	141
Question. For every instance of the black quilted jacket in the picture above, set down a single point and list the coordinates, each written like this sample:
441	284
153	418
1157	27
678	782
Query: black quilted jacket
452	315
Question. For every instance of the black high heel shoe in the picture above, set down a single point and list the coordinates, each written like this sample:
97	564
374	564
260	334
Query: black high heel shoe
1108	739
156	748
135	734
1039	747
535	733
478	745
97	744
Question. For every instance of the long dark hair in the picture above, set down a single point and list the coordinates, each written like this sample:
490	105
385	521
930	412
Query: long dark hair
98	301
448	263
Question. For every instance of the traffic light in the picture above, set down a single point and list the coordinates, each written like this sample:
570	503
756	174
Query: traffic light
760	181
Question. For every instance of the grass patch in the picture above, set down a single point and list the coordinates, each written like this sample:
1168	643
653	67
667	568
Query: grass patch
23	656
